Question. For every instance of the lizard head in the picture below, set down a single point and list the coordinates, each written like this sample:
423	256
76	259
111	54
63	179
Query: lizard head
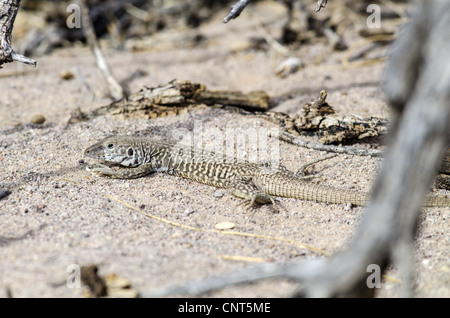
119	149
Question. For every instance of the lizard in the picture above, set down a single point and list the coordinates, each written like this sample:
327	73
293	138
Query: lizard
254	183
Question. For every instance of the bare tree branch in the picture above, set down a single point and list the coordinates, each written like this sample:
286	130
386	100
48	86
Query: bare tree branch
247	275
320	4
114	87
330	148
236	10
8	12
239	6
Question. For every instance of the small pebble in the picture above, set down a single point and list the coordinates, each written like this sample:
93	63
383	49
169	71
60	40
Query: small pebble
288	66
67	75
188	211
36	209
37	119
348	207
4	193
31	188
218	194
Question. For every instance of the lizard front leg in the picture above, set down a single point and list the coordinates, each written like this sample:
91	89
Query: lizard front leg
124	173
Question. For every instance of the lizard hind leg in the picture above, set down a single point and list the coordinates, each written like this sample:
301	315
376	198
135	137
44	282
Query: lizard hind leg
301	171
249	192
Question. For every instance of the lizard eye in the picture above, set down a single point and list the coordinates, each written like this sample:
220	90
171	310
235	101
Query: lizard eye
130	151
109	146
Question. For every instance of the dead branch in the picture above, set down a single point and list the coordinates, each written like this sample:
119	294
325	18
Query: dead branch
175	98
114	87
284	136
320	4
386	232
8	12
236	10
247	275
239	6
320	118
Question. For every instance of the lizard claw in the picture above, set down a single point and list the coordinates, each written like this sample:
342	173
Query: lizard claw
99	169
247	203
252	203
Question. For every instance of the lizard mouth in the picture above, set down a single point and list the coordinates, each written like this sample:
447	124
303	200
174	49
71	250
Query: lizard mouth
89	152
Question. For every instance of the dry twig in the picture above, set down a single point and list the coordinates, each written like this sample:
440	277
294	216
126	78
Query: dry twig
221	232
329	148
236	10
114	87
320	4
239	6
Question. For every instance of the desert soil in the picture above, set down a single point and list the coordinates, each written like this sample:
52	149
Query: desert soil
58	215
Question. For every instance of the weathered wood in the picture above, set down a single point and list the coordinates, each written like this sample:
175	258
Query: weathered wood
236	10
320	4
257	101
320	119
8	12
175	98
286	137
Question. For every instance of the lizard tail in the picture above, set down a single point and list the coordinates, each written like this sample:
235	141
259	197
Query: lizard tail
304	190
326	194
282	185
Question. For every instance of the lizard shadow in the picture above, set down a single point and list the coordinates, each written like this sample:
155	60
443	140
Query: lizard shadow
31	178
7	240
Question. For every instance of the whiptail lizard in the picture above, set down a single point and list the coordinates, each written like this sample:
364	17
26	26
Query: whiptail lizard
255	183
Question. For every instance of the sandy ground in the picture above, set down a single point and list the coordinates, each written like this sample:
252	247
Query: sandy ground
59	216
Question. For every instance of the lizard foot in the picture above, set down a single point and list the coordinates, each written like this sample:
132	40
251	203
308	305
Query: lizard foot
99	169
254	202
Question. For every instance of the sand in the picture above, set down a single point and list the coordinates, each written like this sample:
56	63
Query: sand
59	217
